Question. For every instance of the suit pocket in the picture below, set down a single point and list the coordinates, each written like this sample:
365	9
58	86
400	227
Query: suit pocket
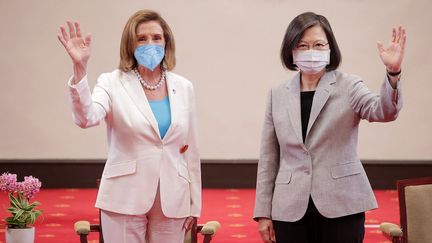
120	169
283	177
344	170
183	172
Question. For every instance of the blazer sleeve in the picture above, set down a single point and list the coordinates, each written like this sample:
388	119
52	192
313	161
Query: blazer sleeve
383	107
268	165
193	157
89	109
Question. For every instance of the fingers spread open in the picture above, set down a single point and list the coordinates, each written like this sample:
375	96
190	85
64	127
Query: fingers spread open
403	41
399	34
72	32
78	29
380	46
393	35
87	40
64	34
61	39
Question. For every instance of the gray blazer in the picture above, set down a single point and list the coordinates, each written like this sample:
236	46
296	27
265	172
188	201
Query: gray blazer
327	166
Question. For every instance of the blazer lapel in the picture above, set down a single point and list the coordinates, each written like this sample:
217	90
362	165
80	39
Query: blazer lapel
322	93
294	108
135	91
173	100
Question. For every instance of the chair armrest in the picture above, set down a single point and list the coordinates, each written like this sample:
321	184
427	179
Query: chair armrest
82	227
390	229
210	228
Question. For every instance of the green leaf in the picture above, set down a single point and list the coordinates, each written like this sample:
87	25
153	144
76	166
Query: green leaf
14	201
32	206
13	210
29	208
32	218
37	212
15	223
19	213
25	203
9	219
19	198
36	203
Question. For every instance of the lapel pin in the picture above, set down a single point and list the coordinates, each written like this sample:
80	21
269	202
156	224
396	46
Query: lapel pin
184	149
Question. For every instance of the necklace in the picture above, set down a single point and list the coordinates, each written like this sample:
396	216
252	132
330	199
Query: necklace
147	85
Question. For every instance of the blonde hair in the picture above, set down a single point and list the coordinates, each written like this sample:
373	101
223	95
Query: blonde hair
129	38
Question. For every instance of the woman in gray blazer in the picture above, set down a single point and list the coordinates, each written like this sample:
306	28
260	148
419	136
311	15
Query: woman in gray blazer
311	185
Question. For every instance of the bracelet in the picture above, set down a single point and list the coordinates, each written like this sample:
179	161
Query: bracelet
395	73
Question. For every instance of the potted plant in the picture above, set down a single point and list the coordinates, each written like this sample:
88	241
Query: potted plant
24	214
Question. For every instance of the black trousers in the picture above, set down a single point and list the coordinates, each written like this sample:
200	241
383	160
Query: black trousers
315	228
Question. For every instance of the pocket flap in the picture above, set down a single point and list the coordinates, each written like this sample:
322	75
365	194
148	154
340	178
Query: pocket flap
283	177
120	169
344	170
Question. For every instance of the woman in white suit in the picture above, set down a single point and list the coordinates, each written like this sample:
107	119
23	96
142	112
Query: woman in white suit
150	189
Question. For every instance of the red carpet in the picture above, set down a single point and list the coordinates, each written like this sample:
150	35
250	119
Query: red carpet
232	207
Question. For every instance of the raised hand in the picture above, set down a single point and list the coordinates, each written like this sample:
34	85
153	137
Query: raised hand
392	54
77	47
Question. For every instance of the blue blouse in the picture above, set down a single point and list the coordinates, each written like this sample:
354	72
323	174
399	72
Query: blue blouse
162	112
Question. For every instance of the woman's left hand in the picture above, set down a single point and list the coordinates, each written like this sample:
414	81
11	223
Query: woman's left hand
392	54
188	223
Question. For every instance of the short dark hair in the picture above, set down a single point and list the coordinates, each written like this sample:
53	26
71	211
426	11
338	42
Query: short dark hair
294	33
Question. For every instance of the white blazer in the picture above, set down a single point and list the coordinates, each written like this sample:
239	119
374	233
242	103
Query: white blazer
138	159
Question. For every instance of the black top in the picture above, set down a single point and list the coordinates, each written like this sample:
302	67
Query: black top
306	99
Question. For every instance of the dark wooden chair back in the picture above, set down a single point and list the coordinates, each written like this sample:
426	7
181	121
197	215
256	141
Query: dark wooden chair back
415	208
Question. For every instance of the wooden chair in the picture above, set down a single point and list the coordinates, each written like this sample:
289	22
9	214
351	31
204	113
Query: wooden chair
415	208
208	230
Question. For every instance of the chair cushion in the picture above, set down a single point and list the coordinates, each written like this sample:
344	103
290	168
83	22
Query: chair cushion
82	227
391	229
210	228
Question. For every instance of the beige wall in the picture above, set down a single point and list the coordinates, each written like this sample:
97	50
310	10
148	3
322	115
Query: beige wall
229	49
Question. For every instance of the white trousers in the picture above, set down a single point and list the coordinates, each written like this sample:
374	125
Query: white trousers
152	227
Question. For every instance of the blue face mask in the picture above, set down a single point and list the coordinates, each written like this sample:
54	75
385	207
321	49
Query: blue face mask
149	56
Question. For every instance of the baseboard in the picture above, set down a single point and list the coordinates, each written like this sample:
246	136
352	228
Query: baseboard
62	173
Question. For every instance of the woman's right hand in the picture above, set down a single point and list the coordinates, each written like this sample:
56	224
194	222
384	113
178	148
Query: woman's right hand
77	47
265	227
